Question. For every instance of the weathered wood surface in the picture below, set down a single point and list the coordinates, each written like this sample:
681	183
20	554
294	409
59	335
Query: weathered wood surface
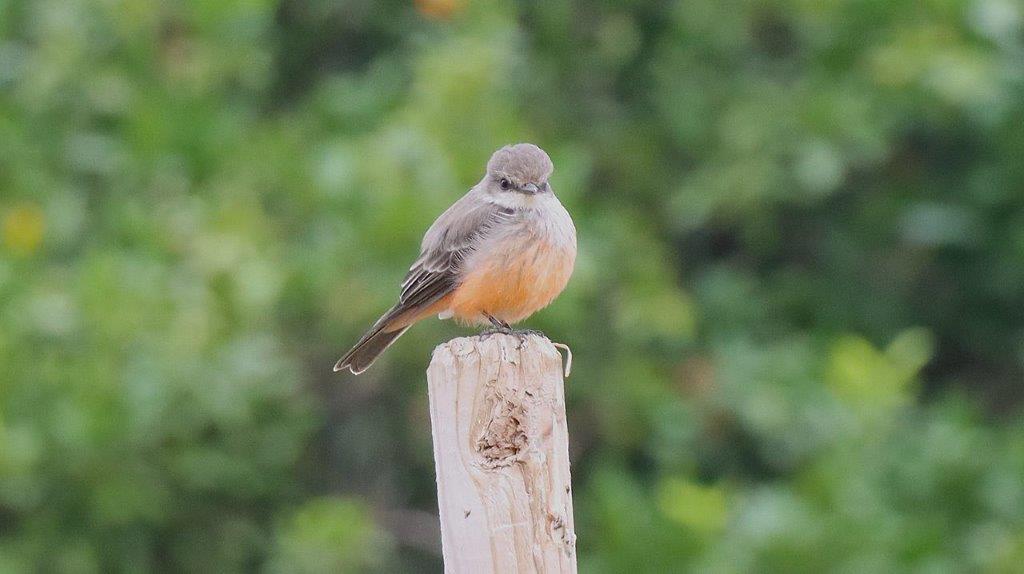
497	409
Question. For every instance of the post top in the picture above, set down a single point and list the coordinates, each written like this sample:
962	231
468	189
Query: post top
505	348
520	341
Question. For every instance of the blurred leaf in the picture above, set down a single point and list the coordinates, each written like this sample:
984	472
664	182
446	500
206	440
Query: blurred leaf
701	508
329	535
871	379
23	227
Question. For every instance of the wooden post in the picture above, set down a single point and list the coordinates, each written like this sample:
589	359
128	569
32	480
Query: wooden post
497	410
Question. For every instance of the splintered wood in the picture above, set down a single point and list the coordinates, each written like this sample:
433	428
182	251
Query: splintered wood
497	410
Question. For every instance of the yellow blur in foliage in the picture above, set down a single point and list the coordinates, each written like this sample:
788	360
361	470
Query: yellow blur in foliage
865	376
700	508
23	227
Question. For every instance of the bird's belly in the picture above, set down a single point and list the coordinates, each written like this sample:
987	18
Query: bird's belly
515	279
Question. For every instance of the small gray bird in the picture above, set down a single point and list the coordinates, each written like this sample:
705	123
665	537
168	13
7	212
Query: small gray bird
496	256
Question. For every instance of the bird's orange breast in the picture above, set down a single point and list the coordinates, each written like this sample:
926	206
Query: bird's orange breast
515	279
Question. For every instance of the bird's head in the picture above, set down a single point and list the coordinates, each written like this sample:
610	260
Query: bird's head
521	168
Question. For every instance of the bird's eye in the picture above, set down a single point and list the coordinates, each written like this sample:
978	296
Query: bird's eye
505	184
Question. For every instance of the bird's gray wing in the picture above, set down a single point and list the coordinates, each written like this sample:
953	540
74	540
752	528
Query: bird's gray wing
436	273
446	245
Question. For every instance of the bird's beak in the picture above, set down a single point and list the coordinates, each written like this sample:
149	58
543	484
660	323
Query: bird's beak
529	188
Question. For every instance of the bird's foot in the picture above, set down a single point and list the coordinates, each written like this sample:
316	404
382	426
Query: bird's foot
497	326
506	330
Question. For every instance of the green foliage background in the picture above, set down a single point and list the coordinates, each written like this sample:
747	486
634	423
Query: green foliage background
797	316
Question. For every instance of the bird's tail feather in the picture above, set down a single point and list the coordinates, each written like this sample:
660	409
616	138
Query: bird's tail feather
373	343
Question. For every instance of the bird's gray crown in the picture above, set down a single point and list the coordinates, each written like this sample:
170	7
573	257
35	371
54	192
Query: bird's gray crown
522	163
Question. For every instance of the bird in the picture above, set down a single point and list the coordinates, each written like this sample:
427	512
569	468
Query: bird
500	253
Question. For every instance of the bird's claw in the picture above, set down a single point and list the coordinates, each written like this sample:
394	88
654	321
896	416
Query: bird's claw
499	326
506	330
